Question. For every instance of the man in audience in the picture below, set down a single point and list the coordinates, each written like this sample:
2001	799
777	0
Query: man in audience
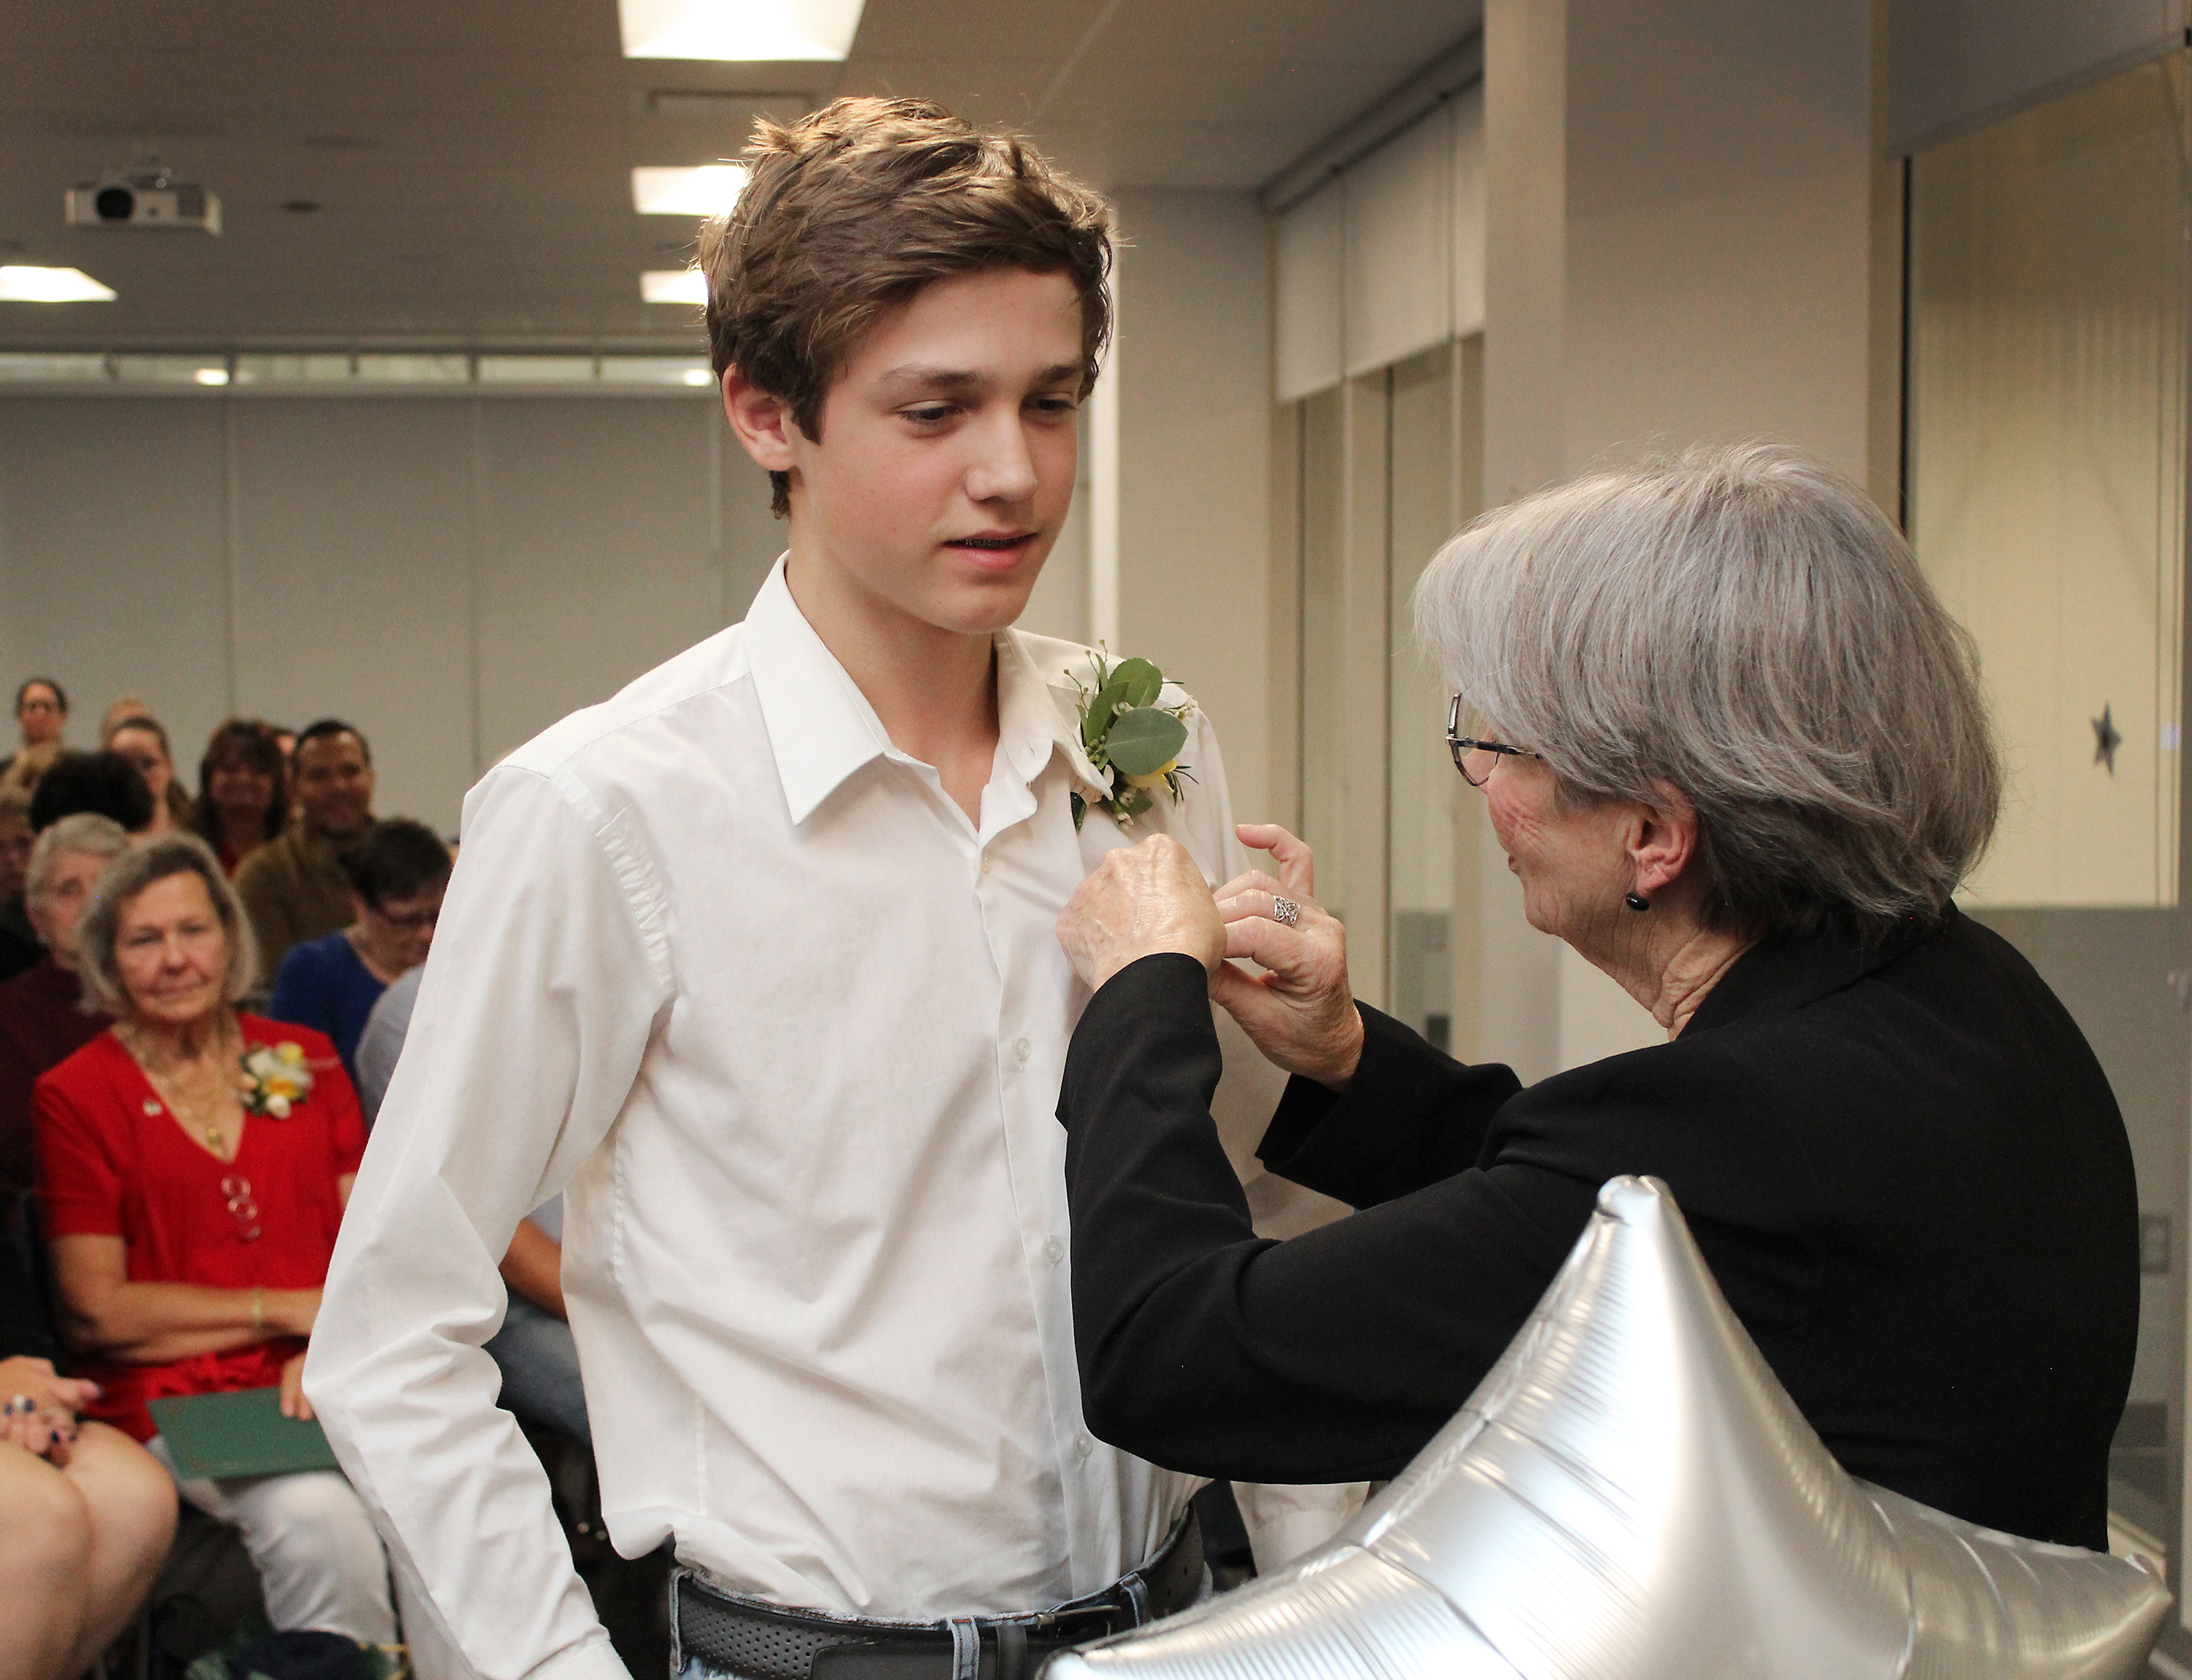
293	887
760	958
42	1019
18	941
398	870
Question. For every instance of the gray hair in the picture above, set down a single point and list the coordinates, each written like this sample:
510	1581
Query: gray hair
130	875
84	831
1744	623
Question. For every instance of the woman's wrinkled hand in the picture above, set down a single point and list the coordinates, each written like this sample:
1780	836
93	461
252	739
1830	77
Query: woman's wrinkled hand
38	1407
1300	1011
294	1403
1141	900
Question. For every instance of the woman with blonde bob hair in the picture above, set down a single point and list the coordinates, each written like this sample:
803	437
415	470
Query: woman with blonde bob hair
197	1160
1737	756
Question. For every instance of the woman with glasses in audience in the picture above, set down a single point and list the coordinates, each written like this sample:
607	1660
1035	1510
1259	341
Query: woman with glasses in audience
1736	755
42	714
243	792
142	740
398	871
195	1162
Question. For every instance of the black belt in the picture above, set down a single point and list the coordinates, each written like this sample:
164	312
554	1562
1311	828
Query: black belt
752	1640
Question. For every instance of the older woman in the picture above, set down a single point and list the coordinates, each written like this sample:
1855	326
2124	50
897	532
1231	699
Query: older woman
193	1205
43	1019
243	792
1735	754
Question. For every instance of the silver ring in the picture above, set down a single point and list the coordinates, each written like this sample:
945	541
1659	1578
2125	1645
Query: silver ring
1285	911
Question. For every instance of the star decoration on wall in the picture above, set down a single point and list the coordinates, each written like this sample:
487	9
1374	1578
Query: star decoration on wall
2106	740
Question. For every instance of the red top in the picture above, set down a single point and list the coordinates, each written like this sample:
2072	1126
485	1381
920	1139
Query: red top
118	1164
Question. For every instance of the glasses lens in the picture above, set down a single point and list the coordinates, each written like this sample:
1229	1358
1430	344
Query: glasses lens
1477	765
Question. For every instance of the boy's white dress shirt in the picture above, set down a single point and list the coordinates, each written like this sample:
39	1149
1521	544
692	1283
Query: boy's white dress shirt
742	980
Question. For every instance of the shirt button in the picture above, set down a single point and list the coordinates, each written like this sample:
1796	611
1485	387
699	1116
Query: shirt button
1055	1249
1082	1446
1022	1049
989	863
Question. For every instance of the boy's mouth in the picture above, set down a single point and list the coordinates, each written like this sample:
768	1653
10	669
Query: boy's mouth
994	543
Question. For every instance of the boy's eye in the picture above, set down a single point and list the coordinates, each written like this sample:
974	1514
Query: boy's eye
928	414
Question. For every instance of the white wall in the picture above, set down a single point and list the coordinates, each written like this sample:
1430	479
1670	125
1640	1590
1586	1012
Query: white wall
1677	198
451	573
1192	367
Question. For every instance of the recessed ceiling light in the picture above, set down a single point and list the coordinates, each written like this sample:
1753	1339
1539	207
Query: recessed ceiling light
709	190
698	376
211	375
20	284
674	285
756	30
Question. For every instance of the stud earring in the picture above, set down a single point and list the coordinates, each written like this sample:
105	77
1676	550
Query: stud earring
1637	901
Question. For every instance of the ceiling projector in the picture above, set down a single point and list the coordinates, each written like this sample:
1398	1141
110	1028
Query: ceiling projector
146	197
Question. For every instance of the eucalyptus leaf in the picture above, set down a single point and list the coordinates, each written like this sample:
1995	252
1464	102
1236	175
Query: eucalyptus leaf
1145	740
1144	682
1109	699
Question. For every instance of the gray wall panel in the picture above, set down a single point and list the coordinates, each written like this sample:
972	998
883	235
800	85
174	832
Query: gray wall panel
113	559
1955	64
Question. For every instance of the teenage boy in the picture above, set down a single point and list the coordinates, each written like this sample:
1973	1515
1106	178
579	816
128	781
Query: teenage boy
757	962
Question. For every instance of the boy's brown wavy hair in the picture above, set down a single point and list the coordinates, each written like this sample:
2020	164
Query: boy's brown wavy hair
853	209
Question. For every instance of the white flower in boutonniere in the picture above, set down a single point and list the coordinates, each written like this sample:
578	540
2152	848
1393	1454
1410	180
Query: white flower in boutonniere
275	1078
1133	742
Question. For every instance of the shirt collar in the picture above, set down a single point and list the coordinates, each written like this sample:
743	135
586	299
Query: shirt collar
821	727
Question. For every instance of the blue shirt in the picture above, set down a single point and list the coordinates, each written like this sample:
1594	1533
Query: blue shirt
323	984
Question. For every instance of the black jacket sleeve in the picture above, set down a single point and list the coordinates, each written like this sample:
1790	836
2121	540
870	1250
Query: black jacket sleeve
1411	1116
1331	1357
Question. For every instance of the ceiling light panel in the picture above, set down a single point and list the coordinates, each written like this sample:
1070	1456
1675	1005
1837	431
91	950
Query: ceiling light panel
764	30
674	285
708	190
22	284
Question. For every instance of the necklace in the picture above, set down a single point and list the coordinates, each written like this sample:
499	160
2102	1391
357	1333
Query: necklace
161	1074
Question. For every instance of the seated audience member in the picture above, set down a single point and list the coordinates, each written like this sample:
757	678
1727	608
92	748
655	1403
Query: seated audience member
293	887
41	713
120	710
104	782
18	940
243	792
87	1517
43	1021
398	870
533	1350
191	1217
142	740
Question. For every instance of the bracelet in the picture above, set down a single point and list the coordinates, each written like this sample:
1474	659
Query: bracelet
258	1313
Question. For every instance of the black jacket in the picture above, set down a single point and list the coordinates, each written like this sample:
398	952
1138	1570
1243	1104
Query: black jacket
1903	1165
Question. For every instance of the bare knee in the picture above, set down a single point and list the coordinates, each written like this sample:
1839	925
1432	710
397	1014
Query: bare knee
131	1498
45	1553
48	1530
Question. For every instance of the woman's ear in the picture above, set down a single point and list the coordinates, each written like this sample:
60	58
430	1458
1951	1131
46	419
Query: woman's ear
1665	841
763	423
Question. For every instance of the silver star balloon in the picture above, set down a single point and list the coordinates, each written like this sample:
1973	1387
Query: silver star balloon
1629	1494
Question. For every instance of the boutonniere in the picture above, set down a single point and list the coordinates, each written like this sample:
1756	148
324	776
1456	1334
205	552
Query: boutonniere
275	1078
1133	742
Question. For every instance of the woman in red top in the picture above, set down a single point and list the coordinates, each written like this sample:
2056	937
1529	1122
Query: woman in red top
195	1163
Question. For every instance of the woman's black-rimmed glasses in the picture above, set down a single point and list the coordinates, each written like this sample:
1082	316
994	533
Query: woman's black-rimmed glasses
1476	759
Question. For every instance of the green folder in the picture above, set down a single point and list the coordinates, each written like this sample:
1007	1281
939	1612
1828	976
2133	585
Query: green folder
239	1434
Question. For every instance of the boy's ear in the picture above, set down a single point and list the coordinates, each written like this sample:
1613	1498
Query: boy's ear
763	423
